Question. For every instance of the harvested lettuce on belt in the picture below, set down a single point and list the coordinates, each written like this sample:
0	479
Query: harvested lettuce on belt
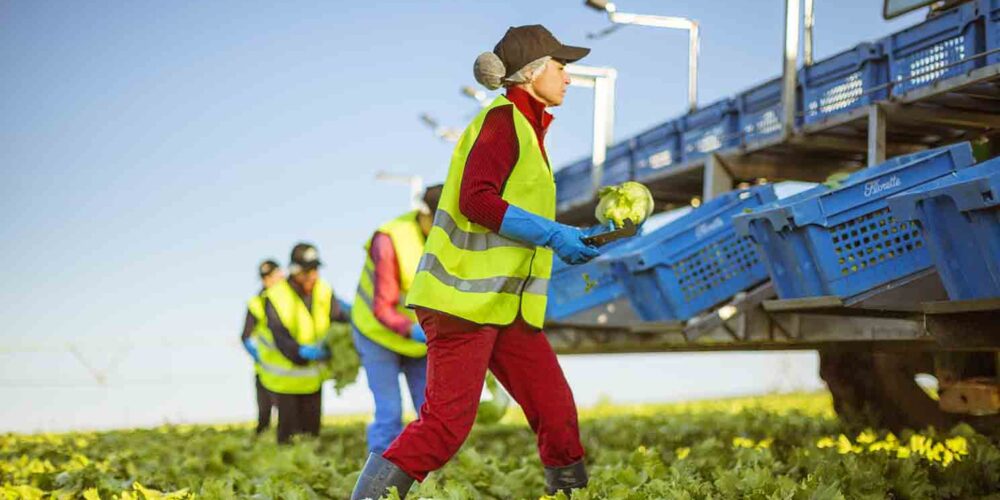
836	179
628	200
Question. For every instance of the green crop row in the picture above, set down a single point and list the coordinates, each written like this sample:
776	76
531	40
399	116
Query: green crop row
780	447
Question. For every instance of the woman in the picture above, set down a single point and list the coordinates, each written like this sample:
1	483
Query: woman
480	288
386	334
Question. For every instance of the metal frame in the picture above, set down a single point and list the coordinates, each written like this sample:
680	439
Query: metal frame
602	80
951	110
717	178
756	321
790	68
809	18
670	22
911	314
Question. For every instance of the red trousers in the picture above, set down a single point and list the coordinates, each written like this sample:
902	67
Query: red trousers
458	354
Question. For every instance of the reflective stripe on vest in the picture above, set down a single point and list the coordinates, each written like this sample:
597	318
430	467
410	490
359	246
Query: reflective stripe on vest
500	284
474	273
472	241
299	372
278	373
408	243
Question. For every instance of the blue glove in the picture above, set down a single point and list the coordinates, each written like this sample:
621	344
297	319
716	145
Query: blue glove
314	352
566	241
252	349
417	333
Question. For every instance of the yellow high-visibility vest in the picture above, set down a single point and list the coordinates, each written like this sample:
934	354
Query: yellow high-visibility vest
408	243
256	308
278	373
473	273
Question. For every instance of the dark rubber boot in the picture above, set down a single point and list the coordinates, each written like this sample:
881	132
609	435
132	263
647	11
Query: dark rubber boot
565	479
377	477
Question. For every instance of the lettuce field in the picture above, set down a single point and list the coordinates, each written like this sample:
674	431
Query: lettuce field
772	447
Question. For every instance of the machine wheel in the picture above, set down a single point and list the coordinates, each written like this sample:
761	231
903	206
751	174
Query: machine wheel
879	389
850	377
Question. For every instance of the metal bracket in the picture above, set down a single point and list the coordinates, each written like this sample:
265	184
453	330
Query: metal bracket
717	178
876	134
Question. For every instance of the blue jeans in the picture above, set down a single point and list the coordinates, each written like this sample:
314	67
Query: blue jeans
382	368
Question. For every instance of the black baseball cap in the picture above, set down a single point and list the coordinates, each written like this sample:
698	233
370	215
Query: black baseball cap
432	196
524	44
267	267
304	257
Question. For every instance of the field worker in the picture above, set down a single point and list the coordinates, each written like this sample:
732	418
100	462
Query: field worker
299	312
386	334
480	288
270	274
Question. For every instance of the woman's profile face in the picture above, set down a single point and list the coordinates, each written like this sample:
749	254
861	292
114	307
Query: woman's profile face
550	86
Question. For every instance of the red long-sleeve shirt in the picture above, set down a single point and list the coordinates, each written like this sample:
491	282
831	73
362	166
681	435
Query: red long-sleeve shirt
493	157
385	298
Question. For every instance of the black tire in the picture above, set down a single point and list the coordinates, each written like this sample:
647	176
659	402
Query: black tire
879	389
848	376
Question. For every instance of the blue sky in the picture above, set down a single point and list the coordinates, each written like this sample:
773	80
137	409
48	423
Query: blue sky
153	152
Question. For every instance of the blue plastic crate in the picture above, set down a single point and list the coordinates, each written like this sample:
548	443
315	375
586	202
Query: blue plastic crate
959	216
568	293
990	9
709	129
656	150
844	241
936	49
840	83
574	184
617	164
695	262
760	111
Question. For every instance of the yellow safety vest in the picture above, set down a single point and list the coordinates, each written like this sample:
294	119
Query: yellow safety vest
256	308
473	273
278	373
408	243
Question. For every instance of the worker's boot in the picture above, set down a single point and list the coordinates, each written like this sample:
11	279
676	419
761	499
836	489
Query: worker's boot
377	477
566	478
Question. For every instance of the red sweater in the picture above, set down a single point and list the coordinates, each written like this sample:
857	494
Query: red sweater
386	286
493	157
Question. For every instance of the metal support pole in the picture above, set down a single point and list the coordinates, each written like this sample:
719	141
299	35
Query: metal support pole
671	22
876	134
716	180
602	80
99	376
810	21
599	144
791	56
694	46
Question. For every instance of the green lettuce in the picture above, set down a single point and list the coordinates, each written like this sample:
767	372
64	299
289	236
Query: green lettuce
628	200
344	363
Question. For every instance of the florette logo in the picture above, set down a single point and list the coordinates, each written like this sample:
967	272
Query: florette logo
875	187
702	229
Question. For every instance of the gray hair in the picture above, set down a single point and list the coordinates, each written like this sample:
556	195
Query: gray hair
490	71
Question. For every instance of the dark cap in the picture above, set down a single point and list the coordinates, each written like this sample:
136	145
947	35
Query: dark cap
267	267
524	44
432	195
304	257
